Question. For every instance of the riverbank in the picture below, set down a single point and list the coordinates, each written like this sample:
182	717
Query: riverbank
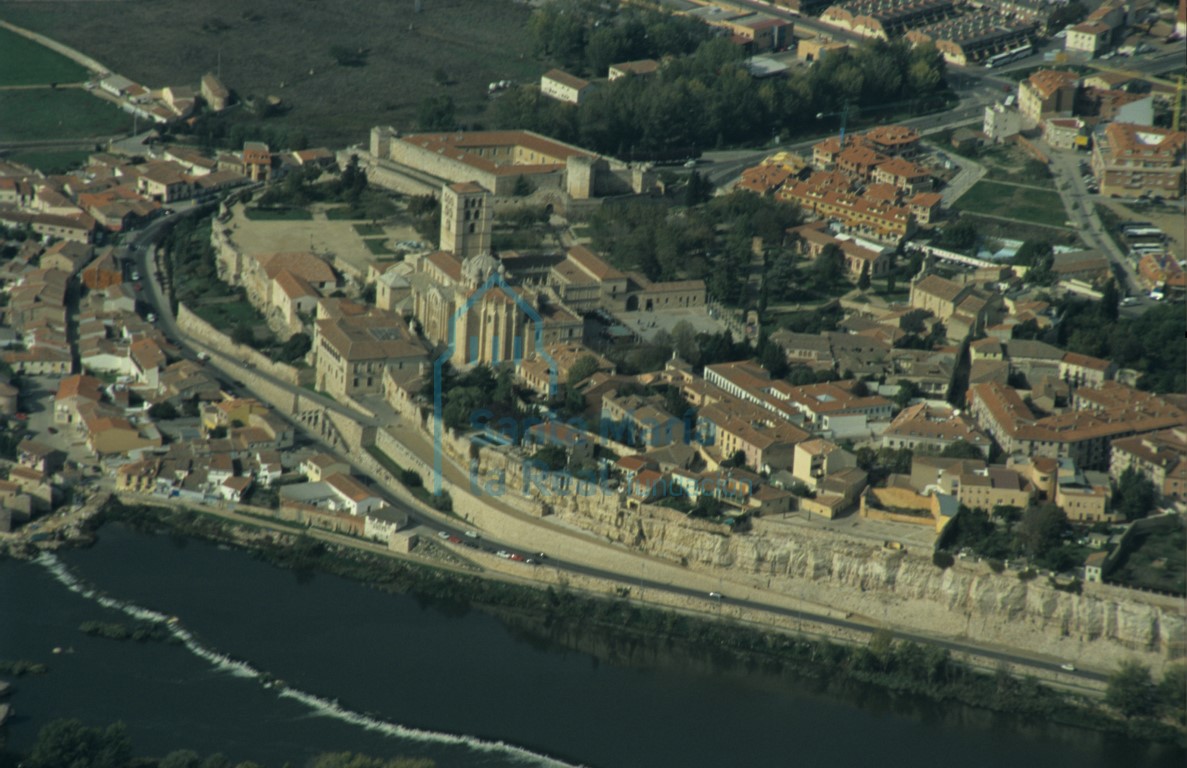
900	667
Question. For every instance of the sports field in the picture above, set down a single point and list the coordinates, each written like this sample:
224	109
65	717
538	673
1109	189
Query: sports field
24	62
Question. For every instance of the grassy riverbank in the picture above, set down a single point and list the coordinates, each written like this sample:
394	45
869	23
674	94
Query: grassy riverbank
897	666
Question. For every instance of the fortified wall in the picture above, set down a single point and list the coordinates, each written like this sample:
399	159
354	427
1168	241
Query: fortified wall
898	586
204	332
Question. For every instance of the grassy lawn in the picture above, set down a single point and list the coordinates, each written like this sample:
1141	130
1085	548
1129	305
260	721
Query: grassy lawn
1013	202
24	62
368	230
278	214
343	213
52	162
378	246
374	205
229	314
69	113
175	42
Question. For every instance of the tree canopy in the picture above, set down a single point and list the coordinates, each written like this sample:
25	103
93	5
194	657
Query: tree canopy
703	96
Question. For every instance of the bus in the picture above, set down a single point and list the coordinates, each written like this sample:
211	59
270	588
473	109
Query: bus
1132	232
1005	57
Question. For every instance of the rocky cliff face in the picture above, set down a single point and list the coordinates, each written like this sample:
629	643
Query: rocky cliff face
905	589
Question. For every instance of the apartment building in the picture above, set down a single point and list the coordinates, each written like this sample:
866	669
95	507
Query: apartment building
1084	434
974	36
1160	456
765	440
1139	161
930	428
830	408
1088	37
352	351
1045	93
885	19
993	487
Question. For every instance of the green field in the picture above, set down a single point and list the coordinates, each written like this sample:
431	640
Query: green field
58	114
50	162
24	62
1010	201
280	48
368	230
378	246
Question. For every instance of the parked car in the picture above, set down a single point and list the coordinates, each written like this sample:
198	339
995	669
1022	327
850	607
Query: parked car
442	534
503	554
473	534
716	596
515	557
1068	667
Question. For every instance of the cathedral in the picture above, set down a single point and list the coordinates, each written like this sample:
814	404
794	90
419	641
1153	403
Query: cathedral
464	299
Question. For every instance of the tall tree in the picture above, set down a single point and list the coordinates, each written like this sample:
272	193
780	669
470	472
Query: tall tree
1131	690
1110	300
1041	528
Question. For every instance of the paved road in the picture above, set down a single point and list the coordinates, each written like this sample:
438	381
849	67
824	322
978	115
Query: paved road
1081	211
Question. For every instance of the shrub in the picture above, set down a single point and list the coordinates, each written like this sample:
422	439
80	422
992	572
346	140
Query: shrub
942	560
997	566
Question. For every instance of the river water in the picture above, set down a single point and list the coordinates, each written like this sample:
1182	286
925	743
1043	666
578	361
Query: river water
367	671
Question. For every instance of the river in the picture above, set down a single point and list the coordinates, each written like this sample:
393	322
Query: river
465	690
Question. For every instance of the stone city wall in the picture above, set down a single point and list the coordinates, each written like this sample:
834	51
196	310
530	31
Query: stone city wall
204	332
902	588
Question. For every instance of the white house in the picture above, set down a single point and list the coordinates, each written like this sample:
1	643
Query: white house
351	495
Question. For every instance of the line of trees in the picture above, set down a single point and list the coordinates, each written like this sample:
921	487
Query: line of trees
706	98
68	743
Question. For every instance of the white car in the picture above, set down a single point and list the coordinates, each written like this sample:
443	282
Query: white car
1068	667
472	535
